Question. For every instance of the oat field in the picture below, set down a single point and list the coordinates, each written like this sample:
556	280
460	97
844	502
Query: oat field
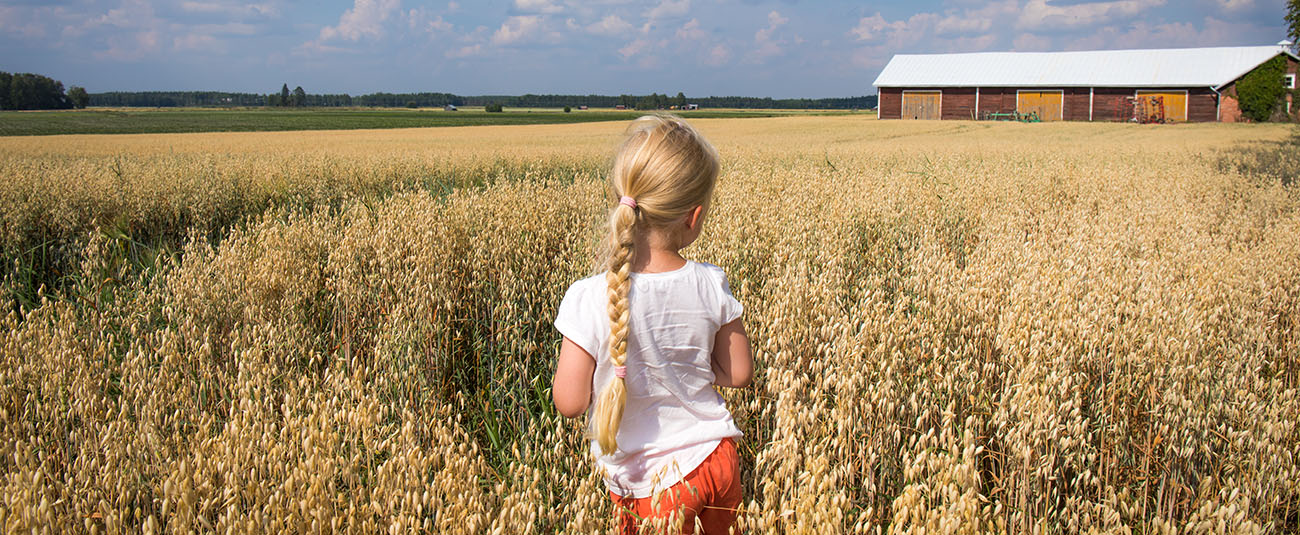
959	328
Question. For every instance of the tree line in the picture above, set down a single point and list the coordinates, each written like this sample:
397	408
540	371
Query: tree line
27	91
300	98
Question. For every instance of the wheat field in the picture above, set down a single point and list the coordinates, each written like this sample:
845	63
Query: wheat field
959	328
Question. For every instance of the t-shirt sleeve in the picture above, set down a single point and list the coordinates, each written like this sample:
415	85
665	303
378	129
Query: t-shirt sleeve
730	308
576	323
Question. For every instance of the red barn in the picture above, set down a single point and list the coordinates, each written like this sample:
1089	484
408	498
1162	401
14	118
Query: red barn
1196	84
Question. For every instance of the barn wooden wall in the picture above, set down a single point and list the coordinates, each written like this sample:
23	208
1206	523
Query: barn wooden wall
890	103
959	102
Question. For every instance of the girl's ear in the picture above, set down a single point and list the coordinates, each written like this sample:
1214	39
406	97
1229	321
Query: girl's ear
693	218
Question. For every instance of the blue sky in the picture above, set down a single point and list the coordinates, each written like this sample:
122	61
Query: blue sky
777	48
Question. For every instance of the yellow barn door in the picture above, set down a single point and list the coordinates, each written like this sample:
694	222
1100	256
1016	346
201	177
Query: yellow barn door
921	104
1046	103
1175	103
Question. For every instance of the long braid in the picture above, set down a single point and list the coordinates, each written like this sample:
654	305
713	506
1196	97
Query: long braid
609	411
667	169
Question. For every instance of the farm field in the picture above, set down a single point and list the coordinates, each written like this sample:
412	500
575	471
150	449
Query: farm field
959	327
177	120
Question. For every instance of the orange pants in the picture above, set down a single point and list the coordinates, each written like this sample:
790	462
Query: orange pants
710	494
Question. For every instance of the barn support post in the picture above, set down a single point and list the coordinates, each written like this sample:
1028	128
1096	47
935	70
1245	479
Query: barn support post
977	103
1091	94
1218	105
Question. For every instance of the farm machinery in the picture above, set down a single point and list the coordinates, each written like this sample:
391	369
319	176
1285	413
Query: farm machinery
1031	117
1142	109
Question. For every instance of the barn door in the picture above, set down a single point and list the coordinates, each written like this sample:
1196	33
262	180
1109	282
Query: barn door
922	104
1175	103
1046	103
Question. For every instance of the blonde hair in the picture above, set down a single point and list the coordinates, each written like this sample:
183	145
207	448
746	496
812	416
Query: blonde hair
668	168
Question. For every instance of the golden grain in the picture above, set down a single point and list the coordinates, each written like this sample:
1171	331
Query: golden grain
959	328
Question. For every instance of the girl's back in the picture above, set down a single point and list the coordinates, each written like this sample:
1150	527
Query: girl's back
652	336
672	412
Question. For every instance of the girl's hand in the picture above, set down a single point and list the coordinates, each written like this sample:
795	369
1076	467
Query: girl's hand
571	386
733	360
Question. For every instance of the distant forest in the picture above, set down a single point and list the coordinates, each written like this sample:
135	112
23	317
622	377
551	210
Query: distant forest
27	91
300	98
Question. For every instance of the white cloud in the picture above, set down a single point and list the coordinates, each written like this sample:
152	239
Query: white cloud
465	51
764	45
13	23
232	28
876	28
952	31
235	9
129	46
774	21
869	58
611	25
669	9
691	31
976	43
716	56
763	51
1028	42
537	6
1039	15
956	30
131	31
1175	34
131	14
1235	5
962	25
516	29
635	47
195	41
365	19
421	20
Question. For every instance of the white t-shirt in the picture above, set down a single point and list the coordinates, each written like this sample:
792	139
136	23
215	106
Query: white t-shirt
673	418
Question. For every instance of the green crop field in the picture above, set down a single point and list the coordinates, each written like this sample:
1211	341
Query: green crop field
180	120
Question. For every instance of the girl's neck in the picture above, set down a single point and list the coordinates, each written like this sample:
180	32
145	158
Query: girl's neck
655	255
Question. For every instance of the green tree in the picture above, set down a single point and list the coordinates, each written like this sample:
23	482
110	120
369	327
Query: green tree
5	80
1293	22
78	96
680	99
284	95
27	91
648	102
299	96
1259	93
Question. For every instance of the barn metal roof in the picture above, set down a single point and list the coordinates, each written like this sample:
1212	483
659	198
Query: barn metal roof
1169	67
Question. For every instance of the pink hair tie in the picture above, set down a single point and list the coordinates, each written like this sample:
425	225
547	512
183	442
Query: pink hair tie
620	371
628	201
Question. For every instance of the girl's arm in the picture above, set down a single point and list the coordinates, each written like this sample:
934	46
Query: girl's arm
571	386
733	360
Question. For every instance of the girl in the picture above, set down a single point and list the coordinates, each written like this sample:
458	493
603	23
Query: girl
652	335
